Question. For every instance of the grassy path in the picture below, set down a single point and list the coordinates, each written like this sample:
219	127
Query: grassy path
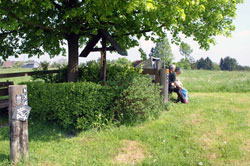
214	129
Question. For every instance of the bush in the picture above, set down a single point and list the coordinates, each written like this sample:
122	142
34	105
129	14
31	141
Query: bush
80	106
139	101
91	72
71	105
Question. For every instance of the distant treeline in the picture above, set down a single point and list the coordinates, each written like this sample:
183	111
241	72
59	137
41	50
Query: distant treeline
226	63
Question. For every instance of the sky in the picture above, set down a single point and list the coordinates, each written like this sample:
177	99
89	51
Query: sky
238	46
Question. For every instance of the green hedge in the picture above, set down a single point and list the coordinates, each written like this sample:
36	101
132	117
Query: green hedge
71	105
84	105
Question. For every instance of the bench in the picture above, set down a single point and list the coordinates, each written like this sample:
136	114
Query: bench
4	101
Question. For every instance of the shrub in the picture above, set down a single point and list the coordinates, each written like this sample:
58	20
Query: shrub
139	101
91	72
72	105
80	106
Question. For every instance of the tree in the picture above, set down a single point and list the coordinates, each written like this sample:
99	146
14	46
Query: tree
228	64
163	50
143	54
185	50
222	64
184	63
121	62
35	27
205	64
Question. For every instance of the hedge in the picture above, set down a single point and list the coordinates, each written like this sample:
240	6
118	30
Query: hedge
72	105
85	105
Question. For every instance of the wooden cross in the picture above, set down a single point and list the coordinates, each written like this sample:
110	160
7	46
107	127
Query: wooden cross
114	47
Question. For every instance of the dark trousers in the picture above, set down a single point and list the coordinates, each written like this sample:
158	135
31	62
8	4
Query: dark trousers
179	93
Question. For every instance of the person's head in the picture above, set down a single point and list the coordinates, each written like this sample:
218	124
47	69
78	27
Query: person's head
178	70
172	68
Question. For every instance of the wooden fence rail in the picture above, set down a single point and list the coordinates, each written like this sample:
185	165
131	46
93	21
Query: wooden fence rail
23	74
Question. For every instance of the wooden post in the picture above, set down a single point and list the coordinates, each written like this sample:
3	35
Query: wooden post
164	84
103	62
19	146
157	73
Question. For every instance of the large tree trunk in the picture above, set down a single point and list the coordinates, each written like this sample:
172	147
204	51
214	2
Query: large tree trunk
73	57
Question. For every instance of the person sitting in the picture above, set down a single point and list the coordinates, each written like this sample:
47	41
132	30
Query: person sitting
174	84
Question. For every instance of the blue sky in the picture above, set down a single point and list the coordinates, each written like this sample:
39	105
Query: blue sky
237	47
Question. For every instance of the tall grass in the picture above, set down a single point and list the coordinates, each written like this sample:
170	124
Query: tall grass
216	81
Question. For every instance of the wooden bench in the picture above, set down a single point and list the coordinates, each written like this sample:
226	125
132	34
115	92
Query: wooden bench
4	101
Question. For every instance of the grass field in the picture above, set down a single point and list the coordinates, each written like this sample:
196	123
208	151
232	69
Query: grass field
213	129
16	80
216	81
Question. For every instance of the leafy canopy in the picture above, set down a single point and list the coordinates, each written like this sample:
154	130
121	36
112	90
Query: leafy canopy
34	26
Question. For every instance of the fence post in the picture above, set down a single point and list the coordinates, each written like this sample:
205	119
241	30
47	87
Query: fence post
18	115
164	84
157	73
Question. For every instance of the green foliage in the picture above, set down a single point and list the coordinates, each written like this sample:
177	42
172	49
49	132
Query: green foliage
35	27
121	62
139	101
128	98
216	66
228	64
205	64
163	50
72	105
143	54
38	27
231	64
185	50
204	132
184	64
91	72
44	65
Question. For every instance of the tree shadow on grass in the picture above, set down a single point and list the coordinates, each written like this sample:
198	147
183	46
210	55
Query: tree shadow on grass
47	131
4	159
39	131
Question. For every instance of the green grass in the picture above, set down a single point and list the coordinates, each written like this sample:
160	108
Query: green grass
16	80
216	81
193	80
14	70
212	130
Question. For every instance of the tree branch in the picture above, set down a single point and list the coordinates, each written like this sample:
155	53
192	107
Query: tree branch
28	22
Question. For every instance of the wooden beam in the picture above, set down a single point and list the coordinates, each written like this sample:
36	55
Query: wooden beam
5	84
113	43
21	74
107	49
164	84
91	44
4	103
4	92
103	54
149	71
